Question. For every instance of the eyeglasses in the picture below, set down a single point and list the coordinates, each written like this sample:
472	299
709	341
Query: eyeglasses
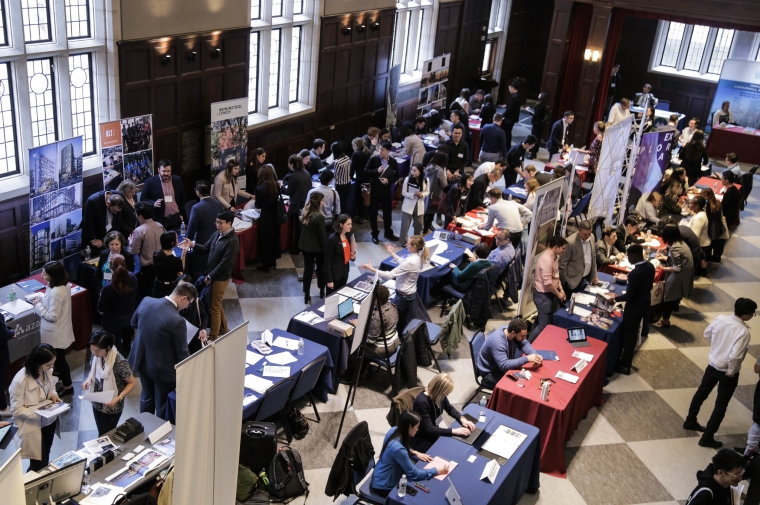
734	475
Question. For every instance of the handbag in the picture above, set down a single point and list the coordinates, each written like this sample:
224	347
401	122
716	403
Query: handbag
282	214
365	193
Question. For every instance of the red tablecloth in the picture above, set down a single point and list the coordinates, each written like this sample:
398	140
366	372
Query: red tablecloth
249	247
568	403
734	140
709	182
474	125
659	275
474	214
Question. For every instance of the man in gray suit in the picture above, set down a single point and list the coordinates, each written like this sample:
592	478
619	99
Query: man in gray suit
201	225
578	262
160	343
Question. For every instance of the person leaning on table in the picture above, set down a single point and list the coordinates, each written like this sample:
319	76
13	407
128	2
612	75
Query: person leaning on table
430	406
505	349
31	386
396	457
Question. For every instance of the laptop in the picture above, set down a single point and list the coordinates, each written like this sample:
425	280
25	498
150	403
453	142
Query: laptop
577	337
345	308
473	437
452	496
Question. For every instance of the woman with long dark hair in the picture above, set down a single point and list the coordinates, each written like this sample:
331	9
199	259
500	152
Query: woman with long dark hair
487	111
313	243
117	303
396	457
296	185
267	195
168	266
340	249
718	226
414	190
693	155
436	175
256	159
679	267
457	198
226	188
359	159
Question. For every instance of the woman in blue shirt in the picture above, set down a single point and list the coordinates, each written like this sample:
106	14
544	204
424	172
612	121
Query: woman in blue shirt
396	457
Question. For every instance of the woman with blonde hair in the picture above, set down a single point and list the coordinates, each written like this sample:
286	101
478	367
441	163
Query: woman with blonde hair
128	190
312	243
430	405
226	188
531	185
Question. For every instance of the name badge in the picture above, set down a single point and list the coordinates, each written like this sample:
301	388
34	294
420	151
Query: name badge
461	155
107	276
168	198
345	245
612	85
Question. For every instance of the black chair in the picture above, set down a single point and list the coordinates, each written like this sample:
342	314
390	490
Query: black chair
274	402
580	207
307	381
387	363
360	477
476	342
500	284
746	182
663	105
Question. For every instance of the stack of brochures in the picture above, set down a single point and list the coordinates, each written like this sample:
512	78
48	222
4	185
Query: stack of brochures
137	469
504	442
52	409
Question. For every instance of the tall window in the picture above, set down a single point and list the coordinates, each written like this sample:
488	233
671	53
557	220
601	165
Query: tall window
3	31
283	48
695	51
42	101
486	66
78	19
36	18
8	146
410	48
82	106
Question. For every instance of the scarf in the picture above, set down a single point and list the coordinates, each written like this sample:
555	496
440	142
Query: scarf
104	373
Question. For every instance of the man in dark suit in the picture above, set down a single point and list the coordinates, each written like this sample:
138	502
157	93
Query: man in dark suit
458	151
578	263
160	343
202	225
222	249
560	134
315	157
102	213
626	233
638	296
167	194
479	188
512	112
614	90
383	172
296	185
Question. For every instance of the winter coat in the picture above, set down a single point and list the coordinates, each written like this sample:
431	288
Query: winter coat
354	456
451	329
477	301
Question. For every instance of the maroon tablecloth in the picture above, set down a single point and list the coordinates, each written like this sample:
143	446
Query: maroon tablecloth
475	128
249	247
734	140
568	403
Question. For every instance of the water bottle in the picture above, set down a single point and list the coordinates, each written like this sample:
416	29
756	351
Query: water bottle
13	293
182	230
402	486
86	482
87	253
482	406
300	346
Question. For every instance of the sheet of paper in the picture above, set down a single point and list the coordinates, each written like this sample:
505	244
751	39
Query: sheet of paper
597	290
249	399
468	253
567	377
472	458
267	337
257	384
99	397
504	441
348	292
331	306
102	494
16	307
581	312
490	471
583	355
441	248
390	283
357	308
281	358
276	371
440	461
191	330
309	317
583	298
431	244
160	432
251	358
286	343
439	260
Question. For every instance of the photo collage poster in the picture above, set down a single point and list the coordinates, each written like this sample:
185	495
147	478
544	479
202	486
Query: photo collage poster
126	148
434	84
229	134
55	202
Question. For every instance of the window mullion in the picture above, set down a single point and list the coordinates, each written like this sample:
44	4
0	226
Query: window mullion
684	47
61	76
707	53
264	49
285	45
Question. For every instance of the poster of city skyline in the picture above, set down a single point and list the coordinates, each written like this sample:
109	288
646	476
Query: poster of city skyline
55	202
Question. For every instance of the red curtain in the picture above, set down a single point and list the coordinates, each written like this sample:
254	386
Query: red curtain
582	13
608	60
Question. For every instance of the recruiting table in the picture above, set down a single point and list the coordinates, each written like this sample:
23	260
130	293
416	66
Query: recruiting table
715	185
480	214
568	403
733	139
518	474
311	353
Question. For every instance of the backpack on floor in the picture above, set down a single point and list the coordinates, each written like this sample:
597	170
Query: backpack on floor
286	479
298	424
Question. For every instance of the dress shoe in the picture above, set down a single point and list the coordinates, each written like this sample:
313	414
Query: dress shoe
391	237
693	426
625	370
710	442
66	391
321	293
307	299
375	240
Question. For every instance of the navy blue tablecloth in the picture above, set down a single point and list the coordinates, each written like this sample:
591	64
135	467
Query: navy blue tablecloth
518	474
511	193
311	352
429	278
612	336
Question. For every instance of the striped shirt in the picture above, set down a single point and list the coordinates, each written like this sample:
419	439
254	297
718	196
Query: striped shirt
342	170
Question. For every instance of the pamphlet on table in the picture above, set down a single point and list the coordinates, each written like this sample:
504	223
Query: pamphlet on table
102	494
504	441
137	469
276	371
166	446
67	459
309	317
286	343
257	384
99	446
16	307
281	358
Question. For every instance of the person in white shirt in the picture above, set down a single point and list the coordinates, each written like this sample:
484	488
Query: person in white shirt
510	215
687	133
413	146
723	115
619	112
331	202
415	190
489	166
729	338
646	98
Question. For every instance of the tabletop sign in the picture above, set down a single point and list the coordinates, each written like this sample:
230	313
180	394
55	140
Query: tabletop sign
490	471
580	365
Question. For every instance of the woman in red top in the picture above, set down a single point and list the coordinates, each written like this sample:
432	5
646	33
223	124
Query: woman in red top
340	249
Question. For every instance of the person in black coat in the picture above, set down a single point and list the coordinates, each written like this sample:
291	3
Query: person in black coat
538	121
638	297
267	196
313	243
117	304
457	198
380	190
201	225
627	234
487	111
197	314
99	208
6	333
296	185
115	243
359	159
153	192
340	250
512	112
731	199
479	188
315	157
560	134
430	405
128	190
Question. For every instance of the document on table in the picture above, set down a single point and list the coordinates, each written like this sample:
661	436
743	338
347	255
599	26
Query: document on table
567	377
439	461
596	290
281	358
191	331
439	260
251	358
102	494
308	317
286	343
430	244
580	311
267	337
504	442
257	384
584	299
348	292
16	307
583	355
276	371
331	306
99	397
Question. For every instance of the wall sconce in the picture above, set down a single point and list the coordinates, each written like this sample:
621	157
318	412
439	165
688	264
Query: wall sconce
591	55
191	57
375	26
347	31
166	61
216	53
361	28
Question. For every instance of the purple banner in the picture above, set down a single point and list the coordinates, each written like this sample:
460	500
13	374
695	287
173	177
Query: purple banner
653	159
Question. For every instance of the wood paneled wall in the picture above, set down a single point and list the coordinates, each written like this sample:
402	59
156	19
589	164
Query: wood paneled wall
179	94
556	52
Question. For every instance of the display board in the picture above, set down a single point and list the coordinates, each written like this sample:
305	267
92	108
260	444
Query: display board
229	134
434	84
126	148
55	203
609	170
653	159
542	225
739	84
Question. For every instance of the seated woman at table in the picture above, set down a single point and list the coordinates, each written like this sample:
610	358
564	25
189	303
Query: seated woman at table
226	188
531	185
378	342
430	405
717	222
699	224
117	303
679	268
109	371
505	349
115	244
462	280
340	248
457	198
168	266
650	209
32	385
649	121
693	155
396	457
671	203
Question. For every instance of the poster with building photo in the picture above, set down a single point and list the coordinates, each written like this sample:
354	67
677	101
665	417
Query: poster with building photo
434	84
229	134
126	148
55	196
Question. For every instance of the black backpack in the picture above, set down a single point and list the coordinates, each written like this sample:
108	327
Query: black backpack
299	426
286	479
